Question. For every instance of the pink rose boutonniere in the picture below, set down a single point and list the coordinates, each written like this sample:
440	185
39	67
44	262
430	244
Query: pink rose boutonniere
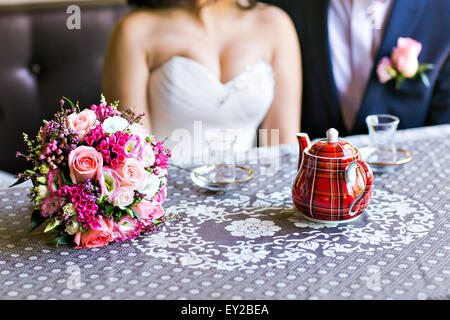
404	64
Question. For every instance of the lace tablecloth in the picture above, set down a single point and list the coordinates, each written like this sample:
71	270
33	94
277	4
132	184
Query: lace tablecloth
252	244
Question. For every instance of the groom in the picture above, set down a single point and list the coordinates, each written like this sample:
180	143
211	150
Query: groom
342	43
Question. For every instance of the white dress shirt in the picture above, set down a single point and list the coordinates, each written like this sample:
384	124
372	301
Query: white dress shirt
355	29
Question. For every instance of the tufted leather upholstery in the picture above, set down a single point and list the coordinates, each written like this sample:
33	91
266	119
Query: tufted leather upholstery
41	60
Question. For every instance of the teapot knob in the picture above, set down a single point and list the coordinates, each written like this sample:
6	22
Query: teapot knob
332	135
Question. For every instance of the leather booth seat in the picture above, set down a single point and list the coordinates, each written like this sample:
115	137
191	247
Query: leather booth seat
41	60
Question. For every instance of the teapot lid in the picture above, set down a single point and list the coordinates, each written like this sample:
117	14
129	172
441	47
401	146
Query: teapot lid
332	147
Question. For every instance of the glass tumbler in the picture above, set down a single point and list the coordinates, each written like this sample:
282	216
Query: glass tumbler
221	163
382	129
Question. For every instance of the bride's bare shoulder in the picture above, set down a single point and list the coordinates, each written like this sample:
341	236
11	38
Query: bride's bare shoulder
139	24
272	17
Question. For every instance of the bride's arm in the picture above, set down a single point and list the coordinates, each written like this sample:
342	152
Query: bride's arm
126	69
285	111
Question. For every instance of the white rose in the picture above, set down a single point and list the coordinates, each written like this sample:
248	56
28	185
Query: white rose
124	198
72	228
148	156
139	130
114	124
151	185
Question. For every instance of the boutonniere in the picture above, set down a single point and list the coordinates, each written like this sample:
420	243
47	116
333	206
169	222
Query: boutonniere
404	64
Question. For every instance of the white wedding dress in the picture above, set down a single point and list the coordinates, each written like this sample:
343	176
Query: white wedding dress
186	100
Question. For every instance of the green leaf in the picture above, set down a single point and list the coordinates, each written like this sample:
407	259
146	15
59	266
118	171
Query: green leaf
41	180
135	214
69	101
66	180
425	79
36	220
425	67
62	239
52	225
392	72
109	209
103	99
399	81
156	222
19	181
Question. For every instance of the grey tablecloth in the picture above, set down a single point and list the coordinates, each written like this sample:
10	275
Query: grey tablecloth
251	243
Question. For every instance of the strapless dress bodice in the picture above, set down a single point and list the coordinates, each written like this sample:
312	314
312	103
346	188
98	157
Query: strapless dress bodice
186	100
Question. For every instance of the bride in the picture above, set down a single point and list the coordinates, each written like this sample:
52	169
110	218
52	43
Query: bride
194	65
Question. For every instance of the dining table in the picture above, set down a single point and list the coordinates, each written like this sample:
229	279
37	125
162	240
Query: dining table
251	243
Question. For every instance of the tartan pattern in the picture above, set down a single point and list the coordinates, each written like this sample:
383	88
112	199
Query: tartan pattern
320	190
341	149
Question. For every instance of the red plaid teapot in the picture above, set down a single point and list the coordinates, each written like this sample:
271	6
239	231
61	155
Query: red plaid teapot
332	183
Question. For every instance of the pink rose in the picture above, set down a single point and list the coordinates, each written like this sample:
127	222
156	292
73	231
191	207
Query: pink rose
406	56
384	70
132	173
86	163
82	122
96	238
148	211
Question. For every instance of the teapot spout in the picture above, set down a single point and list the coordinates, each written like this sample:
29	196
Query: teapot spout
303	143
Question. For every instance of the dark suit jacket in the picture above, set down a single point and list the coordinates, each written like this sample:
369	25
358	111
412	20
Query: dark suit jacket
427	21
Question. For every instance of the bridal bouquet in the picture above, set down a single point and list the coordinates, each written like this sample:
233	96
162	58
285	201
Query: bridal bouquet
98	176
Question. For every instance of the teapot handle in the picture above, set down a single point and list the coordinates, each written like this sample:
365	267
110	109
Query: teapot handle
350	174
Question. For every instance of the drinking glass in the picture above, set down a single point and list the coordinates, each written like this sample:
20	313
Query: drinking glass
221	163
382	129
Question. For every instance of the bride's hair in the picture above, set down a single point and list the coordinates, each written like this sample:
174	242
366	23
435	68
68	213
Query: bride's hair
156	4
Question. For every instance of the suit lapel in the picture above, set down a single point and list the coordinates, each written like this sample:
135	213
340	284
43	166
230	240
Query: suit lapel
404	18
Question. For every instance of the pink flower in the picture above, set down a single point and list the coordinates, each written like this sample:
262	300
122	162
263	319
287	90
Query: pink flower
405	56
162	194
132	173
82	122
85	204
86	163
127	228
96	238
124	197
51	204
54	180
148	211
133	148
385	70
103	112
112	183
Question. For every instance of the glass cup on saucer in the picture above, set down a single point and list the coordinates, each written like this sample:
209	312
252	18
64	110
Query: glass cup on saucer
220	173
221	163
382	130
